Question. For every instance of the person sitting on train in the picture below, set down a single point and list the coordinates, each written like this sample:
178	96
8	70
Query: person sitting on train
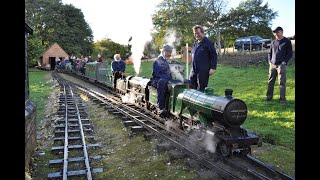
99	58
58	65
82	65
118	67
161	75
67	64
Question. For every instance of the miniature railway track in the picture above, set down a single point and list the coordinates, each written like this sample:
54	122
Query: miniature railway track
240	167
74	137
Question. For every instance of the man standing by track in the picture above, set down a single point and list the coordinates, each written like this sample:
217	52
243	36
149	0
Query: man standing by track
204	59
279	55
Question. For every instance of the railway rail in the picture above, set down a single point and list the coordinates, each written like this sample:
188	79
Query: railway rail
237	167
71	132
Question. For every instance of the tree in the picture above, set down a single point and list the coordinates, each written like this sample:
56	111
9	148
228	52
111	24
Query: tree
55	22
35	48
249	18
182	15
107	48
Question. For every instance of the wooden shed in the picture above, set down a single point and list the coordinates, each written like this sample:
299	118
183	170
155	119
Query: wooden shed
48	57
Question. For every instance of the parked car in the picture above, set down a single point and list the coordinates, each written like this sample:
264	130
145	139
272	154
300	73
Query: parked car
256	43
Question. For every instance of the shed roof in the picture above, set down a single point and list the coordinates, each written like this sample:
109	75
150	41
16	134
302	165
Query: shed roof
28	29
61	51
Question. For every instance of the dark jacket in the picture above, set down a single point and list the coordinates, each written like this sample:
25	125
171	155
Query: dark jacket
161	69
204	57
118	66
280	51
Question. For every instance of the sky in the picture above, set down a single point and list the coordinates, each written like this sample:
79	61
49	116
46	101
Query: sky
120	19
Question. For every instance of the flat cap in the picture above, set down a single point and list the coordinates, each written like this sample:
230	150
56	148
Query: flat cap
167	48
277	29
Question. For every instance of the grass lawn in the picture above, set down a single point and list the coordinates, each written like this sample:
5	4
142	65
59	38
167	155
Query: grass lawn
39	88
272	121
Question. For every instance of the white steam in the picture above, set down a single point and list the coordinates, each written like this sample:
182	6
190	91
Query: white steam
172	40
128	98
170	125
210	142
176	75
137	48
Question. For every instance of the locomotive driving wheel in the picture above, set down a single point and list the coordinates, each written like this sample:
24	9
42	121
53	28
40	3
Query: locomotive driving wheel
246	150
185	125
199	132
225	150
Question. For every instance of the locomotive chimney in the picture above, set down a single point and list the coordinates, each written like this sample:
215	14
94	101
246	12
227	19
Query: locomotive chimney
228	92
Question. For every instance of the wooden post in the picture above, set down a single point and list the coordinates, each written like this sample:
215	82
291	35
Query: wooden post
187	61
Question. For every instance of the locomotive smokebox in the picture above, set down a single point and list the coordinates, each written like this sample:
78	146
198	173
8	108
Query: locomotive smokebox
228	92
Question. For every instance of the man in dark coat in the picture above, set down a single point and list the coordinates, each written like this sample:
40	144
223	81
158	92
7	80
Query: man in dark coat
118	67
161	75
279	55
204	59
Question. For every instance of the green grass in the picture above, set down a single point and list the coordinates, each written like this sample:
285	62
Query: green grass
279	157
40	89
131	157
272	121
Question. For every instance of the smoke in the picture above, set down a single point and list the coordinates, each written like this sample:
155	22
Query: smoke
210	141
128	98
137	50
170	125
176	75
172	40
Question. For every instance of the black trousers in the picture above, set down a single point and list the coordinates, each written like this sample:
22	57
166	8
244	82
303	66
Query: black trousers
274	72
200	81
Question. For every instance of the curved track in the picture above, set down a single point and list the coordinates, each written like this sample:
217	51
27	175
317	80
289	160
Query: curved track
242	167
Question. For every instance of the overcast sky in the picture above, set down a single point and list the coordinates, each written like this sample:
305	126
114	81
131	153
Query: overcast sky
120	19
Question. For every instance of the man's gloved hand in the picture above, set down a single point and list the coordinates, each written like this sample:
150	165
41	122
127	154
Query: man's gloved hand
284	63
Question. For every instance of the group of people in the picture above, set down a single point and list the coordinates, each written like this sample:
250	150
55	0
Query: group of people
204	64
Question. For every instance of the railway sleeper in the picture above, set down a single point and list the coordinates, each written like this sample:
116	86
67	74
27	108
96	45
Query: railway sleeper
73	131
76	159
73	173
73	147
131	123
72	125
137	129
72	138
72	120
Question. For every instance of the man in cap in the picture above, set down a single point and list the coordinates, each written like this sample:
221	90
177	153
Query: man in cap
161	75
279	55
204	59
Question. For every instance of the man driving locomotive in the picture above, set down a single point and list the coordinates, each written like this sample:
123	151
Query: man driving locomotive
161	75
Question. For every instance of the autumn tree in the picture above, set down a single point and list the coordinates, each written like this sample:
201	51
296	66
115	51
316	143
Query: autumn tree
54	22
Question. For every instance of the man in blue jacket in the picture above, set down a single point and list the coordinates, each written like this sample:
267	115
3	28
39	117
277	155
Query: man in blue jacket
279	55
204	59
161	75
118	67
